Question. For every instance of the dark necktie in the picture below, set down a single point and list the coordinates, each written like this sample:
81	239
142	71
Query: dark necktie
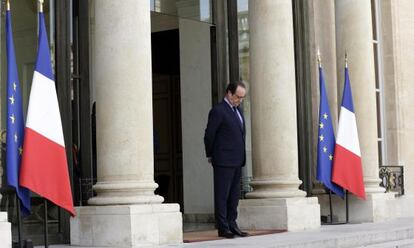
237	116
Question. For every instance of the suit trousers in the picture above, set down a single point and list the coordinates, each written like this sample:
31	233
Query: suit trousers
226	196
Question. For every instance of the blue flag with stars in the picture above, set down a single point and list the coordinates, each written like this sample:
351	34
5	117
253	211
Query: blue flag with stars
15	122
326	141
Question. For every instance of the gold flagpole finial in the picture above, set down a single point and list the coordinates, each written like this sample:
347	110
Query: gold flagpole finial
346	59
7	5
319	59
40	5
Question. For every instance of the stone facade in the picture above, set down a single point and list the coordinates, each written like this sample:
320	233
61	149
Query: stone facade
379	43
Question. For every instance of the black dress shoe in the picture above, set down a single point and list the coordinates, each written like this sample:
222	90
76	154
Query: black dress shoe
225	234
239	232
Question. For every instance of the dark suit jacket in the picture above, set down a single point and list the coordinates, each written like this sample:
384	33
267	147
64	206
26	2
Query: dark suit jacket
224	137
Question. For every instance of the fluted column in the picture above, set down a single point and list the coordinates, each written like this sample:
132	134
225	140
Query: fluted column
123	86
354	36
273	100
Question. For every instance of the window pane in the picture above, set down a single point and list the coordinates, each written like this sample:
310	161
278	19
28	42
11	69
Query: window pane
379	119
374	20
200	10
377	86
380	162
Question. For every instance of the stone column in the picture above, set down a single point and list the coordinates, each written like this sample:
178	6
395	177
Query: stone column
123	89
276	201
354	36
122	77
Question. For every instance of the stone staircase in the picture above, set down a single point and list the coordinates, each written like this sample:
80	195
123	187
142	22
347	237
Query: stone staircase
397	233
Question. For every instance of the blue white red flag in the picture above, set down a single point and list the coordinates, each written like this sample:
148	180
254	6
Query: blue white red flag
347	165
44	164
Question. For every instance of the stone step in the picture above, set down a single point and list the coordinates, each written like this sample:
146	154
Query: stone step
404	243
391	234
398	233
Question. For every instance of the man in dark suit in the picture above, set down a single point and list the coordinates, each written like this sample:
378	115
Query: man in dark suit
224	141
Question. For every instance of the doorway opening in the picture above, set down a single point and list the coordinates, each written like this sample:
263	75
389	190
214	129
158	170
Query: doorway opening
168	165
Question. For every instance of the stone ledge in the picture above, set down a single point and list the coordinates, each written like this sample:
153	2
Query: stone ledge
377	207
292	214
127	225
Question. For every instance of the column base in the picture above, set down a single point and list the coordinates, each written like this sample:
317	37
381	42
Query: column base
376	208
127	225
290	214
5	230
405	205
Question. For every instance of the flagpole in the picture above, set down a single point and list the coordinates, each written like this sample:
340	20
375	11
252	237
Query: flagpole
346	191
346	59
40	6
330	191
319	59
44	199
19	220
330	205
346	207
46	224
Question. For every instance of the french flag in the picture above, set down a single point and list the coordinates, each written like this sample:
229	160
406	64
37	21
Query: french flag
44	168
347	165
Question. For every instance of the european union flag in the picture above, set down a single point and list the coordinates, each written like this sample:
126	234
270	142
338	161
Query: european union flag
15	122
326	141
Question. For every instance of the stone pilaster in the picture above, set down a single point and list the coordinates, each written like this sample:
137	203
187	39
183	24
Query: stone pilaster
398	55
274	131
354	36
121	64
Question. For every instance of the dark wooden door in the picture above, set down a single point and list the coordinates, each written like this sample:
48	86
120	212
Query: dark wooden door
167	137
168	169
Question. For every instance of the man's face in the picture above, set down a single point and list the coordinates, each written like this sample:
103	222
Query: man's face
238	96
